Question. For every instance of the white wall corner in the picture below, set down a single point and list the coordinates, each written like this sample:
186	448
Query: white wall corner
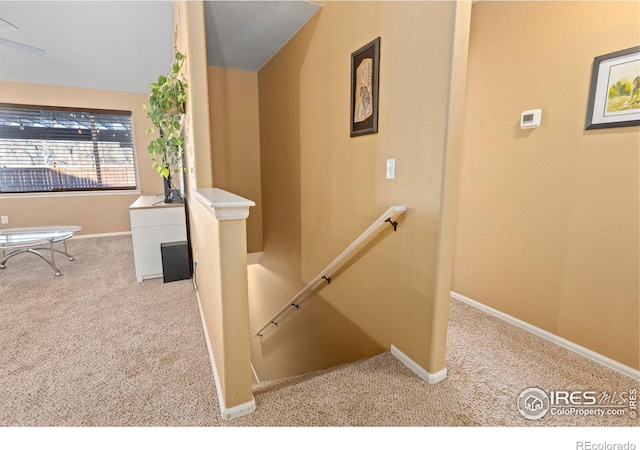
605	361
430	378
226	413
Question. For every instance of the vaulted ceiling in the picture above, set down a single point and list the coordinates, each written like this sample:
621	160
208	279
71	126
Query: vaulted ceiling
124	45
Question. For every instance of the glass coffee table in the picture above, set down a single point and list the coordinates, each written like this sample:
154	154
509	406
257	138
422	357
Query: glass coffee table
15	241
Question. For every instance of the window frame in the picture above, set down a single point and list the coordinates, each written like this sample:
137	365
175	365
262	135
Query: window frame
100	190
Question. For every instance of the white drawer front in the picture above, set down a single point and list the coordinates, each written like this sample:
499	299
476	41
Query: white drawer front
157	217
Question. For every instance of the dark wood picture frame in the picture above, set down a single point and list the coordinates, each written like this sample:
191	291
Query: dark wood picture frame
365	82
615	80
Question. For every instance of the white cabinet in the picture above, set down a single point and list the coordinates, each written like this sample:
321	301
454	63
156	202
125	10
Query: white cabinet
151	225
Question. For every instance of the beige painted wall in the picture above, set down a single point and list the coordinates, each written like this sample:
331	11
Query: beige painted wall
548	220
219	248
221	276
235	141
99	213
321	188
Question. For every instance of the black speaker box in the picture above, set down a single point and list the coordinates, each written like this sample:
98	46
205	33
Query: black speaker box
175	261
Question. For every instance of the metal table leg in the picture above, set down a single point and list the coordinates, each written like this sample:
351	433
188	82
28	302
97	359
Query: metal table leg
39	237
69	257
52	263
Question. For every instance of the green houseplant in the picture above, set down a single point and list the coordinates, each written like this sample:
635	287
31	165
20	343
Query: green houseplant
166	109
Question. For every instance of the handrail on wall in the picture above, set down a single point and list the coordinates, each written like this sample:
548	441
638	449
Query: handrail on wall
367	235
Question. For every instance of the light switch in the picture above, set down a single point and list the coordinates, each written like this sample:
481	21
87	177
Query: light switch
391	169
5	220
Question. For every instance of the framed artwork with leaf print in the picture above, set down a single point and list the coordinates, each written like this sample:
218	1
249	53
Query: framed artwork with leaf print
365	80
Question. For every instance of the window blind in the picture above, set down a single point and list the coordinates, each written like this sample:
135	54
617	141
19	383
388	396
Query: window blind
46	149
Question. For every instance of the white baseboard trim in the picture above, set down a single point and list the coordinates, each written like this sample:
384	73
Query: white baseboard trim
254	258
608	362
100	235
227	413
238	411
430	378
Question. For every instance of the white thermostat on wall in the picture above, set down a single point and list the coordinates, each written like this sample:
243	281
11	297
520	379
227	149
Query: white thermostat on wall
531	118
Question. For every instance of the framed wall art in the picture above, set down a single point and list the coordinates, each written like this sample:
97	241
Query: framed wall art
365	79
614	97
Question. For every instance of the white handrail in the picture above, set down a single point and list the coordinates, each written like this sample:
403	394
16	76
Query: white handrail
388	216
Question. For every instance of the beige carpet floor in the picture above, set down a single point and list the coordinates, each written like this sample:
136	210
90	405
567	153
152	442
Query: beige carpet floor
95	348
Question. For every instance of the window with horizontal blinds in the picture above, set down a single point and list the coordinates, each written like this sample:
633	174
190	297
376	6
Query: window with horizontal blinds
45	149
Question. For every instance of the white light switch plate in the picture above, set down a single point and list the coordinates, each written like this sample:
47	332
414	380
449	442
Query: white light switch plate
391	169
5	220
